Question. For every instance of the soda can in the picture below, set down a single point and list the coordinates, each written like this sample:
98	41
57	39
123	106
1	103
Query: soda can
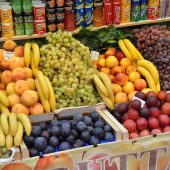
16	6
167	9
88	17
50	4
28	23
153	3
19	24
97	4
80	22
79	3
60	14
39	12
51	26
7	30
27	5
88	3
59	3
125	3
40	27
116	13
51	15
69	6
6	14
135	11
69	21
153	13
143	9
108	13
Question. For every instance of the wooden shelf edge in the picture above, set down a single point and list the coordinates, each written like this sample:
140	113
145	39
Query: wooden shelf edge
130	24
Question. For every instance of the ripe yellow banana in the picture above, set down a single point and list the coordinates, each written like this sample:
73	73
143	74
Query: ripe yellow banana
107	82
44	101
125	50
36	54
34	69
19	135
9	141
106	100
99	84
4	123
4	109
52	99
27	54
4	99
148	77
43	84
13	123
2	137
25	122
158	86
146	90
151	68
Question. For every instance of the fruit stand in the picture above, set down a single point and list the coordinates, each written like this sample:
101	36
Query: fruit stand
84	85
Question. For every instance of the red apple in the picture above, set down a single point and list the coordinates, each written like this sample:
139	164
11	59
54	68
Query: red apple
133	135
164	120
167	99
151	93
144	133
130	125
141	123
124	117
153	123
155	112
166	129
110	52
161	95
166	108
155	131
133	114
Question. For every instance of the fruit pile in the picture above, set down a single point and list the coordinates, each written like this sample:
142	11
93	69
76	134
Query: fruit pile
12	127
147	114
59	135
67	63
5	153
153	43
128	71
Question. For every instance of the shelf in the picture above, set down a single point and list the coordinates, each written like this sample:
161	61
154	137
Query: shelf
123	25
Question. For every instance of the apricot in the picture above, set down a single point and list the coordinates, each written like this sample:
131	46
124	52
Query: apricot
31	84
2	86
134	76
101	62
19	74
131	95
120	79
36	109
9	45
19	108
15	62
20	86
125	62
116	88
1	54
140	84
4	65
121	97
111	61
29	98
130	69
10	88
105	70
117	69
6	77
13	100
19	51
128	87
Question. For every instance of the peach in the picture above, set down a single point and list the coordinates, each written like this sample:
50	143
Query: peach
31	84
111	61
105	70
13	100
29	72
110	52
4	64
9	45
6	77
134	75
101	57
19	108
125	62
1	54
117	69
119	55
36	109
19	74
116	88
128	87
121	97
10	88
101	63
29	98
120	79
19	51
131	95
20	86
15	62
140	84
2	86
111	77
130	69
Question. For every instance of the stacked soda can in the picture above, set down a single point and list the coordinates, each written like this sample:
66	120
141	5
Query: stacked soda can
116	11
125	11
60	13
51	16
7	25
69	16
39	16
135	10
153	9
108	12
167	8
143	9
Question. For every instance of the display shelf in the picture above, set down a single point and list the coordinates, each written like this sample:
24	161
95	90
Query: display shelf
123	25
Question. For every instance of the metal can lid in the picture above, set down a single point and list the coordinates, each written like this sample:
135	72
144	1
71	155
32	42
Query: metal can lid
4	3
5	7
39	21
39	5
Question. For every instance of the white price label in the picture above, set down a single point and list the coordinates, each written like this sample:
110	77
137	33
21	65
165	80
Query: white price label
8	55
94	55
142	101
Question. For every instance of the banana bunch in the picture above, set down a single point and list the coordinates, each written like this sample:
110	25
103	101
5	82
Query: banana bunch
104	87
12	127
4	102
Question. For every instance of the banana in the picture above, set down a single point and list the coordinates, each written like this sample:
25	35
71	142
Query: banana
44	102
34	69
4	99
125	50
4	123
36	54
151	68
99	84
158	86
52	99
4	109
27	54
148	77
13	123
9	141
107	82
25	122
19	135
146	90
2	137
106	100
43	84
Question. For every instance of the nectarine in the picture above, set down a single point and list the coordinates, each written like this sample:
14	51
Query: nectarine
140	84
36	109
13	100
4	64
165	108
131	95
10	88
121	97
15	62
110	52
133	135
20	86
125	62
130	69
134	76
19	51
9	45
120	79
128	87
19	73
1	54
105	70
101	62
29	72
111	61
116	88
119	55
2	86
19	108
144	133
31	84
6	77
130	125
117	69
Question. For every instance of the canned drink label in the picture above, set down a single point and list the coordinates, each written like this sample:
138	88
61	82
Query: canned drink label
135	12
51	15
69	2
16	6
79	3
108	14
69	9
19	29
51	26
88	3
28	17
144	11
60	3
125	3
89	17
27	5
29	28
153	3
50	4
80	22
97	4
18	18
40	27
69	21
6	15
60	14
39	13
116	13
98	17
7	30
153	13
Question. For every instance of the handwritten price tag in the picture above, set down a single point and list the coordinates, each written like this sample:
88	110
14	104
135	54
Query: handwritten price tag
94	55
8	55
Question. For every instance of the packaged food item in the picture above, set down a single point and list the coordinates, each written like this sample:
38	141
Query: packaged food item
7	30
69	6
125	3
51	15
89	17
98	17
69	21
40	27
108	13
60	3
27	5
60	14
28	23
50	4
153	3
79	3
88	3
116	12
80	22
16	6
143	9
167	8
153	13
135	10
51	26
6	14
39	12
